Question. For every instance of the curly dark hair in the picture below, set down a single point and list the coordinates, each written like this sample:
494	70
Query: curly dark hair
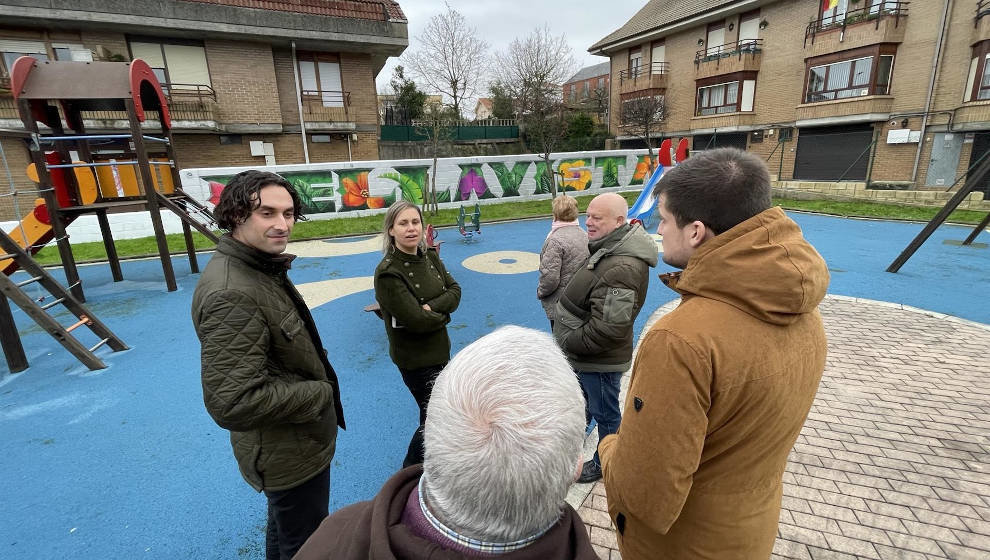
242	195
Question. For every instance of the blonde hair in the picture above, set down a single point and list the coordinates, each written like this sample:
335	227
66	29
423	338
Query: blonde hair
388	242
565	208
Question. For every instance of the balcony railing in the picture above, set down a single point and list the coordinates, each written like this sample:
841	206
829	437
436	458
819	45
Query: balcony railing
982	9
736	48
652	69
874	12
4	82
326	106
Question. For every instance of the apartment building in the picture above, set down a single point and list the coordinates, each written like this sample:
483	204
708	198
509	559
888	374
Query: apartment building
585	82
821	89
296	76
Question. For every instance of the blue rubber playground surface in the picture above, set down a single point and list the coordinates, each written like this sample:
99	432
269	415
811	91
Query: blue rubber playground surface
125	462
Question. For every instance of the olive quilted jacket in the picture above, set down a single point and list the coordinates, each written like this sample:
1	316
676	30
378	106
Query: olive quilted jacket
265	374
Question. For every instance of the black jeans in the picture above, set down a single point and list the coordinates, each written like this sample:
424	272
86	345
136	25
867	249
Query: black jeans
420	384
294	514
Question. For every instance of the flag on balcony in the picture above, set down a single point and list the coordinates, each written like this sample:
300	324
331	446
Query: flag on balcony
829	4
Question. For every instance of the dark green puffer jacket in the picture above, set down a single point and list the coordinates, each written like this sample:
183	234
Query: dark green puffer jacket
403	283
597	309
266	377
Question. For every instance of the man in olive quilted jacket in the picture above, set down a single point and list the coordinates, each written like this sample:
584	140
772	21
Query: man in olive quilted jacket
266	377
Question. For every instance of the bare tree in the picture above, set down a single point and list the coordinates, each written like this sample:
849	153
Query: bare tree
533	71
451	57
438	123
645	117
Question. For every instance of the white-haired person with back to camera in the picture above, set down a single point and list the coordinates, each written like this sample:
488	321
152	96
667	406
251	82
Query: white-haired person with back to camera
503	435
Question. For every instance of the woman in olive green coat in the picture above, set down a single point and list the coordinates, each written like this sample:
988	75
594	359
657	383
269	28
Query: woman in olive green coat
417	296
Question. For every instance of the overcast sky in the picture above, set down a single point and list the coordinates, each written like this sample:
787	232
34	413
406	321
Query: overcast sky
500	21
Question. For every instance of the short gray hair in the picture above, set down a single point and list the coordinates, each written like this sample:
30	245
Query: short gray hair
504	432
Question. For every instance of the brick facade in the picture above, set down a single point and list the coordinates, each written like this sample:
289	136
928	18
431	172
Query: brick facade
785	53
255	90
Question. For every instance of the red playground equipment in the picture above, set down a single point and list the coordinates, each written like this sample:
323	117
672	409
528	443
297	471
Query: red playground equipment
55	95
80	173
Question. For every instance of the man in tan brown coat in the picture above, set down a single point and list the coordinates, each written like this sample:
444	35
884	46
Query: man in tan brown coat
720	386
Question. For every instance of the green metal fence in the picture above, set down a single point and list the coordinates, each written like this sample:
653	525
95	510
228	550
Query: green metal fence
402	133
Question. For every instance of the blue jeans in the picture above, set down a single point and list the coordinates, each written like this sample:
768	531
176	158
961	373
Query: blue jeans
601	398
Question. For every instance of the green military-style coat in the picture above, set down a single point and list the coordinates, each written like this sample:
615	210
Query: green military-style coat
403	283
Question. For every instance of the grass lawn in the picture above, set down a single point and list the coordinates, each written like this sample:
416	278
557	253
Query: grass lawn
146	246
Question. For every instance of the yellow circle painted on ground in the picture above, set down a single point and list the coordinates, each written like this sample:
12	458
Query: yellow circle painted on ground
503	262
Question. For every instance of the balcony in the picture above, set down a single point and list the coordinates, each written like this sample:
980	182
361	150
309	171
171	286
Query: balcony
724	122
325	111
738	56
877	106
879	23
191	106
981	24
972	115
651	76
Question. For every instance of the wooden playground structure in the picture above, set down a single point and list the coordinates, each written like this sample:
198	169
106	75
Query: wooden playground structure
80	173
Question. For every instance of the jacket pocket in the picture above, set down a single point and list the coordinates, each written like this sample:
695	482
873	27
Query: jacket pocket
291	326
619	305
566	318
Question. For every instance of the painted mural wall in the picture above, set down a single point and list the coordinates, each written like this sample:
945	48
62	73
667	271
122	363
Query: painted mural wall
345	188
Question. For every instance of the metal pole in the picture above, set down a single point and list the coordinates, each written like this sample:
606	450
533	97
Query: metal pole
302	122
931	88
977	230
974	179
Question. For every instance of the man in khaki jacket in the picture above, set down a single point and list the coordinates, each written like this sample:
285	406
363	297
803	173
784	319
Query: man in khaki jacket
721	386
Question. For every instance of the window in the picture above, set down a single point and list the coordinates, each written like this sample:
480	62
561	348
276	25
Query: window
11	50
635	61
658	56
319	74
722	96
587	89
978	81
749	29
716	38
643	106
862	72
601	83
837	15
178	65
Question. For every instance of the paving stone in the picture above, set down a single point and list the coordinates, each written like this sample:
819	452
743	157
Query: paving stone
603	537
891	553
790	550
825	554
859	548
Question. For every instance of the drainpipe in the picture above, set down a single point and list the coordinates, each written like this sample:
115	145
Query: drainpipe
931	88
349	158
302	123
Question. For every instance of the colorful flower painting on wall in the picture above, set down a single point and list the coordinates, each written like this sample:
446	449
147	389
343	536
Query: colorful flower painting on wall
381	185
472	181
355	194
575	174
642	170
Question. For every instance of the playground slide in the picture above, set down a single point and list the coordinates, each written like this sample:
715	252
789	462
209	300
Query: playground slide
35	229
645	205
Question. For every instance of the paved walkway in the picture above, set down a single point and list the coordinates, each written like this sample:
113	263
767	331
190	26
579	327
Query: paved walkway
894	459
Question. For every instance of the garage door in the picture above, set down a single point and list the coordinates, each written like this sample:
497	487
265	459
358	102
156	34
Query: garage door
712	141
833	153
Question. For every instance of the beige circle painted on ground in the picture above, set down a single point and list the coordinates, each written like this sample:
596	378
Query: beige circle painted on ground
318	293
516	262
319	248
